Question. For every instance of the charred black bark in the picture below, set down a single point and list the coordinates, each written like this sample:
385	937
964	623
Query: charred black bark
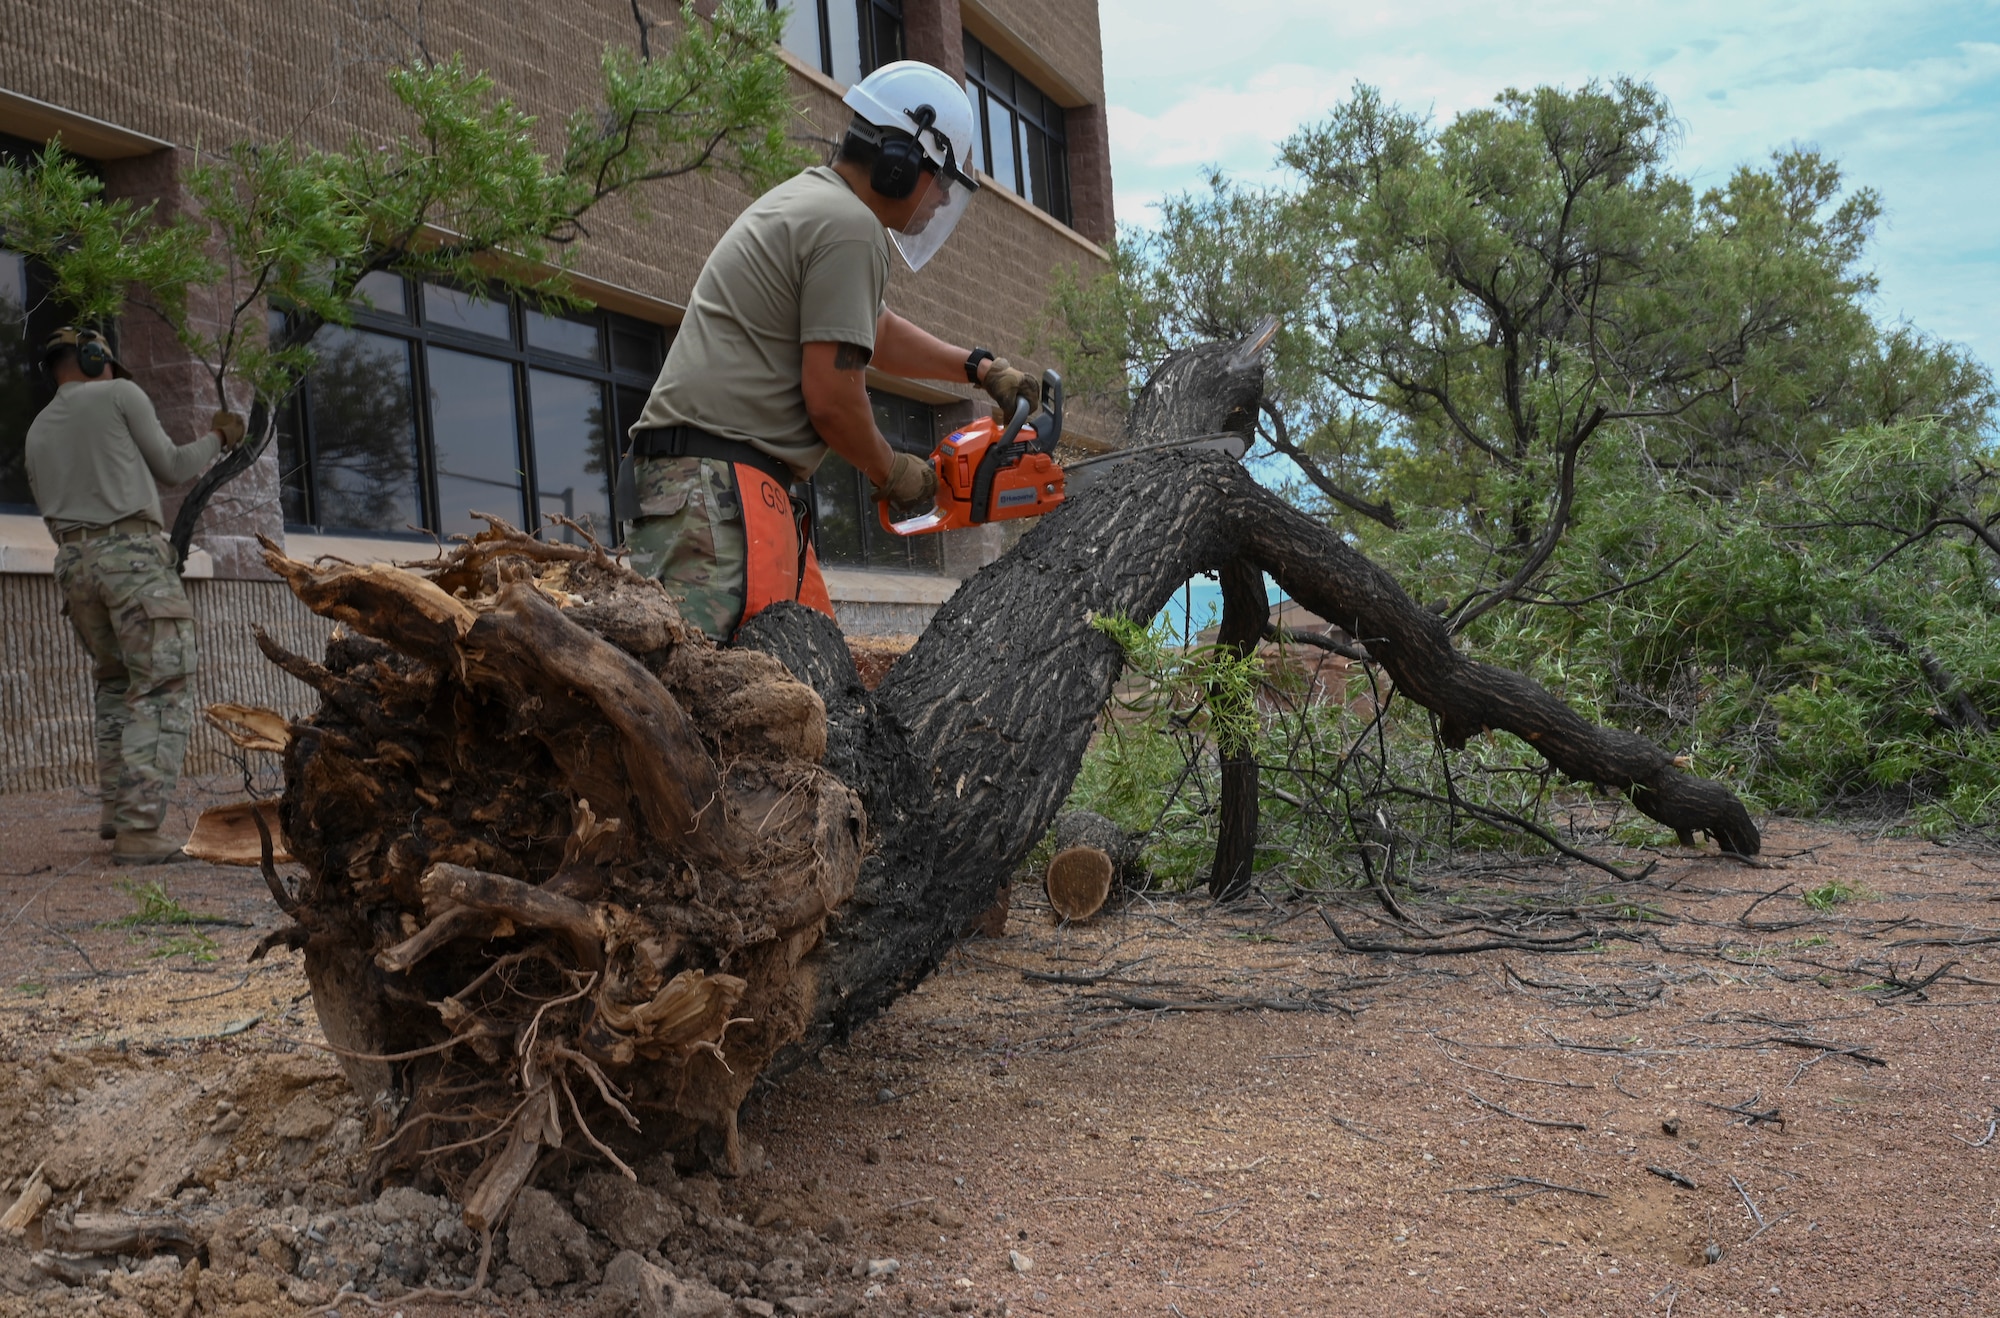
901	921
1246	613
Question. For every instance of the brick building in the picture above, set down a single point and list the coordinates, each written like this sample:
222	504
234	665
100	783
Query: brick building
436	403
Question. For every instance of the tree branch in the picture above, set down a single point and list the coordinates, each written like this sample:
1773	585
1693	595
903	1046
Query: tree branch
1463	616
1281	440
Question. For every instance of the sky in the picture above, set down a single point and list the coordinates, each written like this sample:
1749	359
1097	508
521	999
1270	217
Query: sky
1905	94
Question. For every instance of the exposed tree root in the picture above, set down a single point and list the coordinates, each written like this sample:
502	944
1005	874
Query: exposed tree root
566	862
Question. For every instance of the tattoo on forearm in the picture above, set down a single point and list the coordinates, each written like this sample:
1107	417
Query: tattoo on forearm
849	357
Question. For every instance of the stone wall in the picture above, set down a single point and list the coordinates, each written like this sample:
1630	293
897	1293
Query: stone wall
45	737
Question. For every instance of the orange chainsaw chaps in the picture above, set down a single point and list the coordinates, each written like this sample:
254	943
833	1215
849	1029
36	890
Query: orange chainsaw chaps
772	573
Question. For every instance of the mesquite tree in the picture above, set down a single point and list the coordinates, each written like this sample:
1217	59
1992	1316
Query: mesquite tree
575	877
1471	308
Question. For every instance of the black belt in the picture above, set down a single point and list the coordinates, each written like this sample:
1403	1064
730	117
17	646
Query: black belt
692	442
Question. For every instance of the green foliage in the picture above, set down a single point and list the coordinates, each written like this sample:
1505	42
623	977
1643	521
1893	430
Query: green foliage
196	947
154	909
1459	302
719	100
1331	765
1831	894
276	216
1146	772
1210	688
97	251
152	904
1647	444
1785	651
1332	769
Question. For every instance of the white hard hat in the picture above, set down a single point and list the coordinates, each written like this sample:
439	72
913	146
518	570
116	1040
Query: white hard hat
917	101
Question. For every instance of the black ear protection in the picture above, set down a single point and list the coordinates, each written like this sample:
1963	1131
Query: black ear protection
93	354
901	161
92	357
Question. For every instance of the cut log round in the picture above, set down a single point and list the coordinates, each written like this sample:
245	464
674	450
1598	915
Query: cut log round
1079	881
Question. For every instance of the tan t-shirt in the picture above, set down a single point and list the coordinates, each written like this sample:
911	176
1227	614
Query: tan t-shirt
97	455
808	262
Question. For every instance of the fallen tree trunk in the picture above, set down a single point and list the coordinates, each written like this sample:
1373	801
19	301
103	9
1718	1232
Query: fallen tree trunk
576	877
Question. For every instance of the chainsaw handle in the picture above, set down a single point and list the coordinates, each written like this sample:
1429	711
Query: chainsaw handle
1049	425
1014	426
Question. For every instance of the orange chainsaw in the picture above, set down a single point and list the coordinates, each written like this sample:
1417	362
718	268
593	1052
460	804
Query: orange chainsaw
990	473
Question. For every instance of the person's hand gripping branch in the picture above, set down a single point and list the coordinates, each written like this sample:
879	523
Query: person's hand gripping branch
228	427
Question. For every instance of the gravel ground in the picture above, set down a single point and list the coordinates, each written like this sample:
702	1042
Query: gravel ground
1173	1109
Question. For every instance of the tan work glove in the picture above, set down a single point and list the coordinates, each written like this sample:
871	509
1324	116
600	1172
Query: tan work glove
911	480
229	427
1005	383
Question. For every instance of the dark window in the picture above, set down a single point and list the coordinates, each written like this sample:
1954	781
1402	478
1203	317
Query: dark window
572	450
384	294
844	39
27	317
475	441
20	395
566	336
1021	141
846	530
467	313
364	469
444	404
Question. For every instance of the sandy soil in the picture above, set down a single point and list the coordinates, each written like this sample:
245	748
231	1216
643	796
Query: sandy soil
1174	1109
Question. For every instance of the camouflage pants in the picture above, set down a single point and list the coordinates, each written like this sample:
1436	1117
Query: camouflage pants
124	598
690	535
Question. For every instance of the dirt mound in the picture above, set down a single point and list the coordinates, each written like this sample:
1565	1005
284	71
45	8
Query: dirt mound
231	1180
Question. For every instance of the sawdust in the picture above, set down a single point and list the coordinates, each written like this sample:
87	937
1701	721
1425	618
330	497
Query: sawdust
1345	1149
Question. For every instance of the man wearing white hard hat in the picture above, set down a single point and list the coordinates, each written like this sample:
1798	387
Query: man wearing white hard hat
769	368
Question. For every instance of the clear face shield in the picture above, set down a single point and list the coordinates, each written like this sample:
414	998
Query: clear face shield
944	203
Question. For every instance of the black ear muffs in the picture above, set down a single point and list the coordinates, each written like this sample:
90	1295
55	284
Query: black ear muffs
898	167
93	358
901	162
